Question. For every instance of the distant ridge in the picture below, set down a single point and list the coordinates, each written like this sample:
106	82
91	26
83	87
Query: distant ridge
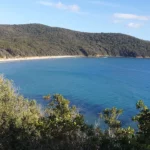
41	40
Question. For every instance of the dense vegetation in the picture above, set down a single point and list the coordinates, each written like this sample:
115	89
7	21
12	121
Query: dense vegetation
24	125
41	40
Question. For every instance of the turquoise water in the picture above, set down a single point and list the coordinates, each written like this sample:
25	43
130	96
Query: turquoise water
90	83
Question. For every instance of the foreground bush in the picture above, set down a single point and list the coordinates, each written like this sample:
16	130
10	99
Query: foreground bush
24	125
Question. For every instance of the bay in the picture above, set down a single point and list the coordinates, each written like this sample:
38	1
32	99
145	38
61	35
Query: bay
92	84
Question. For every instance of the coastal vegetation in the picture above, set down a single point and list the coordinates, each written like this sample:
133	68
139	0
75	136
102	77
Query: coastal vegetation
25	125
40	40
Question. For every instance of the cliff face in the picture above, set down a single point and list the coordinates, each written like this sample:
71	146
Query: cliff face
41	40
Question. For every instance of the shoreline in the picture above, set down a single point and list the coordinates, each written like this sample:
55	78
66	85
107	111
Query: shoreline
38	58
57	57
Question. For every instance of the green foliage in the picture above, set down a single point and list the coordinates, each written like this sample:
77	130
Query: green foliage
62	119
143	119
41	40
115	136
111	117
18	116
26	126
47	97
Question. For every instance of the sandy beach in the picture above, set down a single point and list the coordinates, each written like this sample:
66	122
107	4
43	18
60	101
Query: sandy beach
37	57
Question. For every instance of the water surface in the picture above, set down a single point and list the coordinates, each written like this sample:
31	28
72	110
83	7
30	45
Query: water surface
90	83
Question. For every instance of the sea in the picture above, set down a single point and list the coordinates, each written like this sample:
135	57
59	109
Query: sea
92	84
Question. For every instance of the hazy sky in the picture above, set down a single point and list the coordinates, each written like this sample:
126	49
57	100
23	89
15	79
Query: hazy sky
124	16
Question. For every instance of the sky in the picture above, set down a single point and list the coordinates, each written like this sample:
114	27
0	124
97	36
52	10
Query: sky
130	17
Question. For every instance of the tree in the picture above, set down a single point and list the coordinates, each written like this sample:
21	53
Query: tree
143	120
62	117
110	117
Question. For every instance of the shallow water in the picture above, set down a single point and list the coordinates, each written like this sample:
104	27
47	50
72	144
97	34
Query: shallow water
90	83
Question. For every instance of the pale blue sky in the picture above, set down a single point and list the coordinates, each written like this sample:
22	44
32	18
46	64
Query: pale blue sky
125	16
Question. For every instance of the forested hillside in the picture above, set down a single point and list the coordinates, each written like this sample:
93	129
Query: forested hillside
41	40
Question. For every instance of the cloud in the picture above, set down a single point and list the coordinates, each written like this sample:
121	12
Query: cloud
104	3
60	5
131	16
134	25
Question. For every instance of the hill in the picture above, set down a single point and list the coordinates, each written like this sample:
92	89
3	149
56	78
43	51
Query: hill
41	40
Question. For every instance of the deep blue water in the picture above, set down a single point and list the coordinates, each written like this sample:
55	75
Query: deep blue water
90	83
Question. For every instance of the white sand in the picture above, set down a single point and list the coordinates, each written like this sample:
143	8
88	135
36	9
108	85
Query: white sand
37	57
